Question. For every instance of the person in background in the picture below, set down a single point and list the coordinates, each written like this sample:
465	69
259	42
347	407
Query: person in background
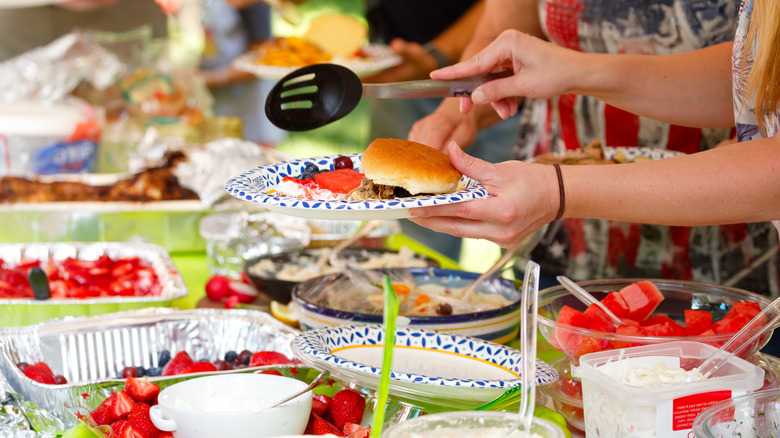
229	33
427	35
24	29
723	85
583	248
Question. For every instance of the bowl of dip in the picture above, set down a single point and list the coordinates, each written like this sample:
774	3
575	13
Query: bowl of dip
473	424
277	274
678	296
232	405
430	299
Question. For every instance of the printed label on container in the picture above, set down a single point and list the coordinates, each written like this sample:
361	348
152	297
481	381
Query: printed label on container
674	418
65	157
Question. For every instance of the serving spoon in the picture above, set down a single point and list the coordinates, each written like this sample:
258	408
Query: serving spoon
317	380
315	95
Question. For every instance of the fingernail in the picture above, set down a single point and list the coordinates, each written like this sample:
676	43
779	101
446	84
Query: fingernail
477	96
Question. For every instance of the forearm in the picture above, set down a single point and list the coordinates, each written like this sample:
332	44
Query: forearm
500	15
690	89
455	38
730	184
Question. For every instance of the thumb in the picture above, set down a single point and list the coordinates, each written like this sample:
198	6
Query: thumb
472	167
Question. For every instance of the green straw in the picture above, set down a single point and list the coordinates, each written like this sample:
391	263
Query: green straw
390	313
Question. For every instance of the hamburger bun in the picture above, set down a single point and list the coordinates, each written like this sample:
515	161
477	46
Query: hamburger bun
413	166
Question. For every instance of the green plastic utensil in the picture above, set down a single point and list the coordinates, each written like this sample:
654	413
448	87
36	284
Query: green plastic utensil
389	317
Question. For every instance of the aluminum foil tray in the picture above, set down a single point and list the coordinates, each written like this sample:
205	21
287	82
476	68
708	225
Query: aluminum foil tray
90	351
17	312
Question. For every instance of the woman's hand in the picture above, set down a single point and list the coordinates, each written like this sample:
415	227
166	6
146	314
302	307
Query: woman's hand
522	200
445	125
541	70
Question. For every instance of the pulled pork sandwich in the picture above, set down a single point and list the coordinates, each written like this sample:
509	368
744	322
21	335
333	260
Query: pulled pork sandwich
396	168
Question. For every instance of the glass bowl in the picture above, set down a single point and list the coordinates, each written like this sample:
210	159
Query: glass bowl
679	295
755	415
477	424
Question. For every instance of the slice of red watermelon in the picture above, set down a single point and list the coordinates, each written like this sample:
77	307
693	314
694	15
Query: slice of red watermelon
642	298
615	302
697	321
599	319
339	180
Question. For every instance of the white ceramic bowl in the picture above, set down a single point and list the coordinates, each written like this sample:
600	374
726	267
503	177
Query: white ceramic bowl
438	371
224	405
474	424
497	325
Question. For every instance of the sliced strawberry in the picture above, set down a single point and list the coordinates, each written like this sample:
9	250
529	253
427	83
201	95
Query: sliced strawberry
130	430
320	426
39	374
271	372
141	390
350	428
121	405
180	362
117	426
347	406
141	422
201	367
101	415
268	358
319	404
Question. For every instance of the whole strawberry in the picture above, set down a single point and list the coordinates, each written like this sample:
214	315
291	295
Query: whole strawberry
347	406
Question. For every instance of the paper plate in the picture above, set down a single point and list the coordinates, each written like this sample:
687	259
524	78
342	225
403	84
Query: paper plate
439	371
378	57
257	185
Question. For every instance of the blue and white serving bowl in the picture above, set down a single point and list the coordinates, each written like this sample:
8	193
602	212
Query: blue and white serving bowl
438	371
499	325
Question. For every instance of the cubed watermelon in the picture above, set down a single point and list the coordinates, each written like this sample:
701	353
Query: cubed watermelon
599	319
729	325
642	298
666	328
746	309
697	321
615	302
628	330
575	344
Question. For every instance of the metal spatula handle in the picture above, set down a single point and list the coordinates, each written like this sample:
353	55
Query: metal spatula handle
429	88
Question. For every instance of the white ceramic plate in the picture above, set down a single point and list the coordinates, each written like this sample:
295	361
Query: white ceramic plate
257	185
378	58
437	370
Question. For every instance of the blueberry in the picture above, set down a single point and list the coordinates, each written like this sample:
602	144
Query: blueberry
154	371
311	167
306	175
163	358
141	371
231	356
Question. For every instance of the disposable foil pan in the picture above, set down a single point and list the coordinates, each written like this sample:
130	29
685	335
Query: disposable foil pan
16	312
90	351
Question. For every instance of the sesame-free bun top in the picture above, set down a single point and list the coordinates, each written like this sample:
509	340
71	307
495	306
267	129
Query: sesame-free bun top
414	166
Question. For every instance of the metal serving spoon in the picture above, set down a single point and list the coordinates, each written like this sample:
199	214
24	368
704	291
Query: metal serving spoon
323	376
319	94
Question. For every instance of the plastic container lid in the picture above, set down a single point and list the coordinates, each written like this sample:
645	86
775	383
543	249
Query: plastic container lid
38	119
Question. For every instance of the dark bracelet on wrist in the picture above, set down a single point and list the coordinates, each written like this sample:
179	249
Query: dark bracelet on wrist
441	59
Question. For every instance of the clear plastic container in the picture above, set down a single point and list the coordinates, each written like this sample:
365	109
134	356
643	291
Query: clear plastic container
616	409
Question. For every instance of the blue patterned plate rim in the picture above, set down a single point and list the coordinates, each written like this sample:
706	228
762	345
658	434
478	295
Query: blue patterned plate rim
256	185
416	272
314	345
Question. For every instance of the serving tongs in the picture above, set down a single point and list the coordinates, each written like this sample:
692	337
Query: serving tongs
319	94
